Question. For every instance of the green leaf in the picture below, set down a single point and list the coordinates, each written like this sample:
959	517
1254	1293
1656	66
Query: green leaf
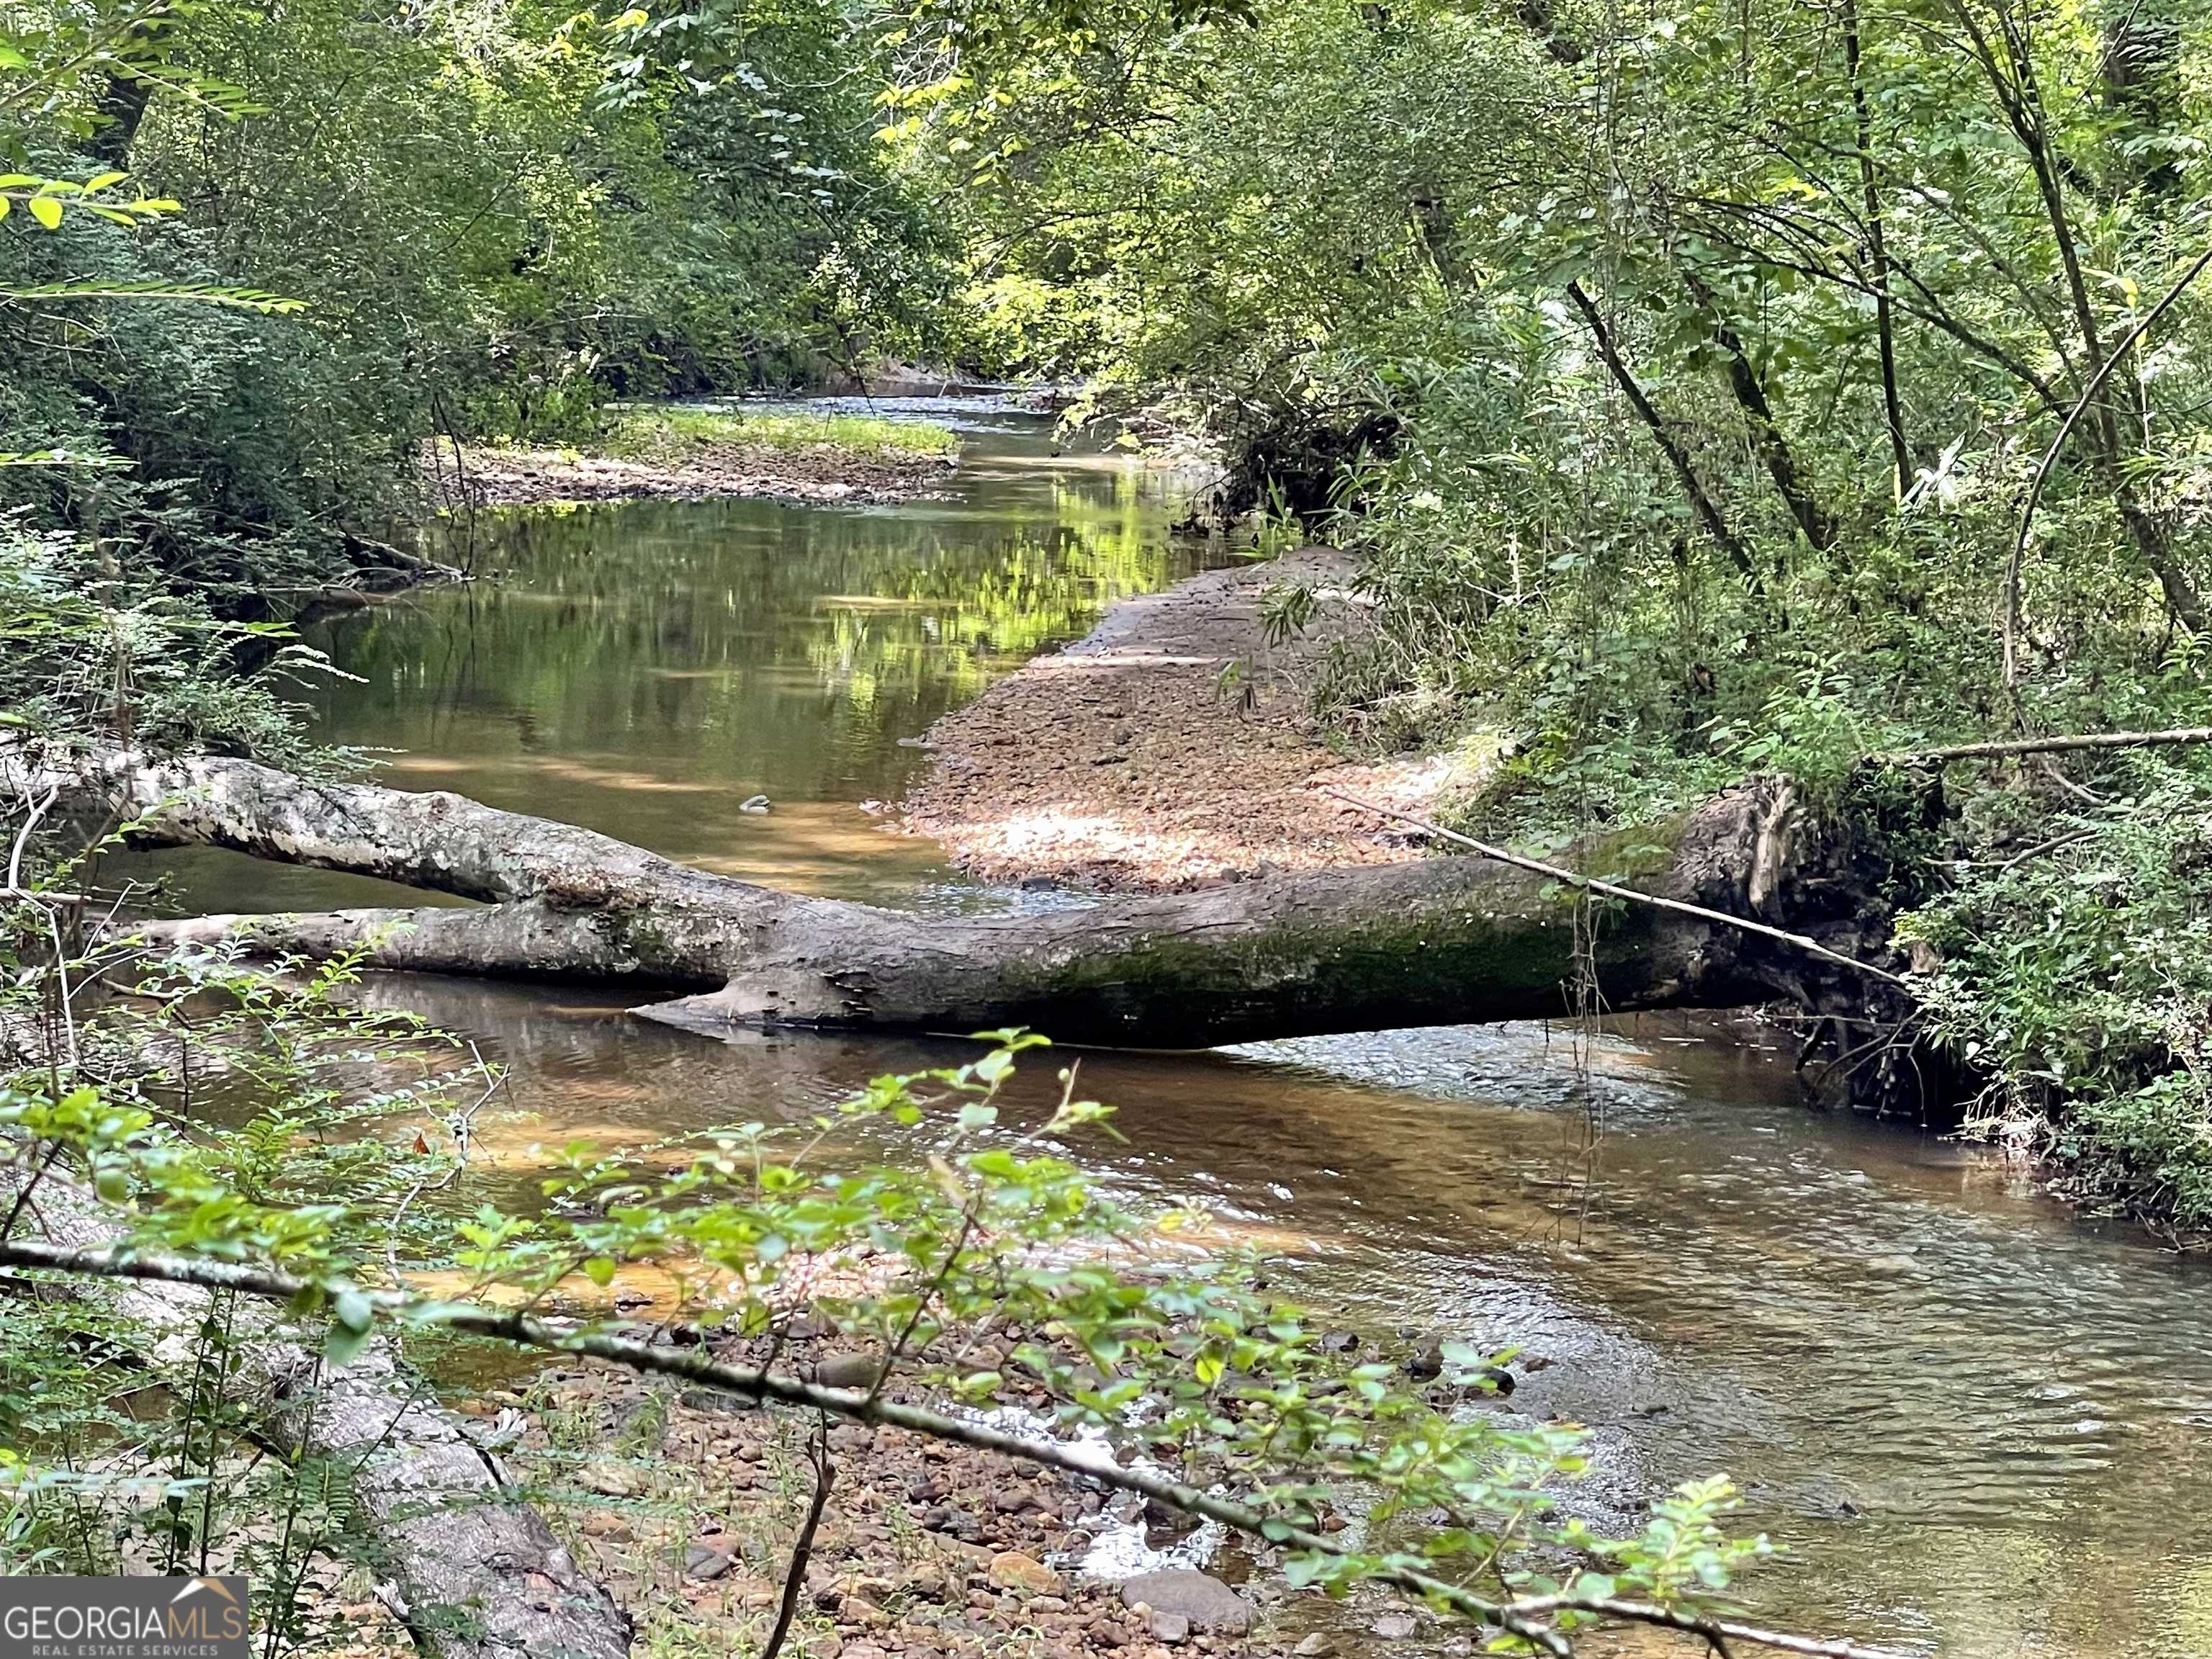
47	211
342	1343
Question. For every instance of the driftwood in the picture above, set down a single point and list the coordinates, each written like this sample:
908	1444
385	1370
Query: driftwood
471	1570
1441	941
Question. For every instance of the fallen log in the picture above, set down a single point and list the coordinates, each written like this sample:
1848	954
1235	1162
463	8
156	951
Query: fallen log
1445	940
466	1564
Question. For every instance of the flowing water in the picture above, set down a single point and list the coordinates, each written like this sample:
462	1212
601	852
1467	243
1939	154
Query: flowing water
1983	1424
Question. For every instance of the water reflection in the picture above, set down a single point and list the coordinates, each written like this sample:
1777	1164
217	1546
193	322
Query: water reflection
644	668
1976	1420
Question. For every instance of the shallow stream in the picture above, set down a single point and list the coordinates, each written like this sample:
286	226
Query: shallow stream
1983	1424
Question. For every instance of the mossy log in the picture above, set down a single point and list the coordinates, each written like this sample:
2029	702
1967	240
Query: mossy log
1446	940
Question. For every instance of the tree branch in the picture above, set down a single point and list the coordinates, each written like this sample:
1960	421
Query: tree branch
1612	890
1996	748
1669	445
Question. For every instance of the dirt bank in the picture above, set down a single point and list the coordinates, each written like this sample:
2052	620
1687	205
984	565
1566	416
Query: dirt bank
815	472
1126	762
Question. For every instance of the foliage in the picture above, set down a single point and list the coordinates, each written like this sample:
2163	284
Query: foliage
411	220
89	650
2076	969
1685	377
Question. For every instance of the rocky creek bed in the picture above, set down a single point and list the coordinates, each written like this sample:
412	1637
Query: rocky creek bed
686	1503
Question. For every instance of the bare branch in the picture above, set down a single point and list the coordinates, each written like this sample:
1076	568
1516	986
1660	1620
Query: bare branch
1613	889
1995	748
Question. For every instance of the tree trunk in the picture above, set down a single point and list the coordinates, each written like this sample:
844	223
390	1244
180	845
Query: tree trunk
1441	941
1884	318
1708	514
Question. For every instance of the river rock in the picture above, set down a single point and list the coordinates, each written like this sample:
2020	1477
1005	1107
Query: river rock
1314	1645
847	1370
611	1479
1011	1570
1166	1517
704	1561
1209	1604
1395	1626
1171	1628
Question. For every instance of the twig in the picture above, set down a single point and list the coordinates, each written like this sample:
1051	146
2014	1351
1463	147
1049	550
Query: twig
1999	747
2049	458
795	1575
1520	1618
2041	847
1612	890
35	811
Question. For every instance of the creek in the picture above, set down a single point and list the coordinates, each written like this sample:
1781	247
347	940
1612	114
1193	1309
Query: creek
1981	1423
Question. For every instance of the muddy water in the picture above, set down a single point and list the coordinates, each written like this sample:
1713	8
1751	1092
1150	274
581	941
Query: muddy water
1983	1426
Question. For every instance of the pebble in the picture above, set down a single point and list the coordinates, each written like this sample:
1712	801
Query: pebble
1011	1570
1172	1628
1313	1646
1395	1626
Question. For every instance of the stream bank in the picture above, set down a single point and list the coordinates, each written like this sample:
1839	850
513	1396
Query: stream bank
685	453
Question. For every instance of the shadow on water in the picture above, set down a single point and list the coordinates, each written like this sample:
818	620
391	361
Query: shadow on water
1984	1424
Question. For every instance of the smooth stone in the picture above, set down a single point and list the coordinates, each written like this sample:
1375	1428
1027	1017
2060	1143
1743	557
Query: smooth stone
611	1479
1209	1604
1172	1628
1313	1646
1395	1626
1011	1570
847	1370
704	1561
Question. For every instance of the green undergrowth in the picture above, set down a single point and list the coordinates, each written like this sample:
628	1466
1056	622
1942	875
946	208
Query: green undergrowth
674	434
2057	918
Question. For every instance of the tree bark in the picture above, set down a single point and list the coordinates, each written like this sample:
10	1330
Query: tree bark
1441	941
1893	403
1767	441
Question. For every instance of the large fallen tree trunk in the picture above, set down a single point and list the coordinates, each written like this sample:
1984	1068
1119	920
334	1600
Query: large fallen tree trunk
1441	941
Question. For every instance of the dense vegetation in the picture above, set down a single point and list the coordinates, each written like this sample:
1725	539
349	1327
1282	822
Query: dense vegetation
1712	391
482	220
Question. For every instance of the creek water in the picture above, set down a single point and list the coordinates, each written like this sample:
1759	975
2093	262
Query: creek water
1981	1424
